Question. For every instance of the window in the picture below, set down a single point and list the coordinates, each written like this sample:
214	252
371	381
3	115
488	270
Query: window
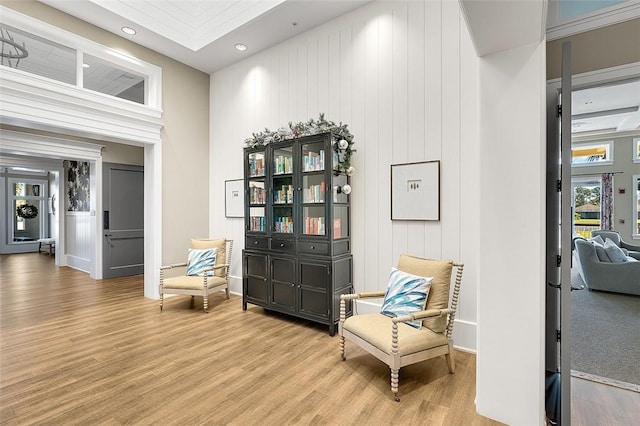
104	77
636	150
39	56
636	206
586	205
47	51
592	154
27	209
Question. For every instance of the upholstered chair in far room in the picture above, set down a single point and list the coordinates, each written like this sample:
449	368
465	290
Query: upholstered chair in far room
631	250
205	272
407	331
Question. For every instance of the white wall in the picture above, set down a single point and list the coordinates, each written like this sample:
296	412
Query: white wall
406	79
510	360
403	76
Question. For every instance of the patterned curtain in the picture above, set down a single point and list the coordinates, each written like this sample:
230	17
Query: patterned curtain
606	202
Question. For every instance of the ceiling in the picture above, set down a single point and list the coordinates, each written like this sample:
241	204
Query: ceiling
606	109
203	33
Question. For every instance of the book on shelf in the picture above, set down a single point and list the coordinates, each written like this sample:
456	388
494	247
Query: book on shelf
337	224
314	226
283	224
314	194
313	161
282	164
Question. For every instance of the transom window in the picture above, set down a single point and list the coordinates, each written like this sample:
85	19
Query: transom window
636	150
592	154
47	51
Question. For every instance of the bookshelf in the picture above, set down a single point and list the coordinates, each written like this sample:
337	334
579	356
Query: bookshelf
297	257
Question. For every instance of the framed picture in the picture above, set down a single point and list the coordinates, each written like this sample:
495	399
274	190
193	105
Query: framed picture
415	191
234	200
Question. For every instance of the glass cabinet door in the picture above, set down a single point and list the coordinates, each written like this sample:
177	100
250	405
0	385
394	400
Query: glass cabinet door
256	164
314	189
282	190
312	157
340	225
256	192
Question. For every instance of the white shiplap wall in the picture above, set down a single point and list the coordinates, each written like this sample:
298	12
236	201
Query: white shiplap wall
404	77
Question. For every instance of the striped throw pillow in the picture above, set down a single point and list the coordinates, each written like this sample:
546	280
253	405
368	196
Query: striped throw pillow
406	294
199	260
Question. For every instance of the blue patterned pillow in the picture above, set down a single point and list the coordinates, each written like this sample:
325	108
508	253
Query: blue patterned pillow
199	260
406	294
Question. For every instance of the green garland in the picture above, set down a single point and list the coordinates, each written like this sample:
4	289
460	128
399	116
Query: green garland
27	211
311	127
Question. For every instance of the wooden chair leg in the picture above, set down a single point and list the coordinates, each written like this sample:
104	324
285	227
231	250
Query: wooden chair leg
206	303
451	363
227	291
192	303
342	353
394	384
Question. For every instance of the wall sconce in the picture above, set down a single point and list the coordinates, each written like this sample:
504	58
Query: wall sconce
343	144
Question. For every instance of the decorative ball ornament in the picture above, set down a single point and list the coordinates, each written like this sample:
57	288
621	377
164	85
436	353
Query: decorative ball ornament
350	171
343	144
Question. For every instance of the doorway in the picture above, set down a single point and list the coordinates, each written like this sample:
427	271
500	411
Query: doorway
123	220
585	204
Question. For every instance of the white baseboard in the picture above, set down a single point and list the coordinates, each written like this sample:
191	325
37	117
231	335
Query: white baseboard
464	332
79	263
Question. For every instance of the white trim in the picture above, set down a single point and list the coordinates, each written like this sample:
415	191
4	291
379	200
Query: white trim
33	145
32	101
557	29
598	77
13	143
597	136
153	73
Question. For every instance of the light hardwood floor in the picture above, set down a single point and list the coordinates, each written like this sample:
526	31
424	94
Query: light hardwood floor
78	351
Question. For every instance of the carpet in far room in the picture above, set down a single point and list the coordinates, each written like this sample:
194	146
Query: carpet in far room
605	331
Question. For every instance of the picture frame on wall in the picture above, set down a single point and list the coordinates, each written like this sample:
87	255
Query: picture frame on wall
415	191
234	199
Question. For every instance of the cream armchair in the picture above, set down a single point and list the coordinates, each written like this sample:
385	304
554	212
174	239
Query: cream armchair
200	285
392	340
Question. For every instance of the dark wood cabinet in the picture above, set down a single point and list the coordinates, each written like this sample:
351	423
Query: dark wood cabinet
297	257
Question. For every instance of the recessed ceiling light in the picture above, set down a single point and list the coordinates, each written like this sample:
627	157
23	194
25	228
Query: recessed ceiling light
128	30
86	66
241	47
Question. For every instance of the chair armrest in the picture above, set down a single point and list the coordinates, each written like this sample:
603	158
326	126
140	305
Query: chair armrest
175	265
224	265
362	295
422	315
630	247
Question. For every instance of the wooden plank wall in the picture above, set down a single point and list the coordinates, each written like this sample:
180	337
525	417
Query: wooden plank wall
404	77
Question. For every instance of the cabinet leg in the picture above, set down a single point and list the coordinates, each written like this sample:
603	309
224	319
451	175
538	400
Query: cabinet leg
332	329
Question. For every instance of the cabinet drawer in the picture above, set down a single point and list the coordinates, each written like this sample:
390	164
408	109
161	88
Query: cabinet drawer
288	246
256	243
313	248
